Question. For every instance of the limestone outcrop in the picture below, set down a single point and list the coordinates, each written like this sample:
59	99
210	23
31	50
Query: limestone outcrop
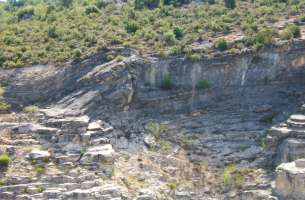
290	180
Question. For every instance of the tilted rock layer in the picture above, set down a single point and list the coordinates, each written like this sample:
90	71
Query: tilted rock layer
149	128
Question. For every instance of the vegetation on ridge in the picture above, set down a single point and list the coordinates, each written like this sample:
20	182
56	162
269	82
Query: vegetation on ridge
48	31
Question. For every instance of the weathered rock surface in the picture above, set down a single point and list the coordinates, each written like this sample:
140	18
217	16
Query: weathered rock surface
290	180
39	155
99	154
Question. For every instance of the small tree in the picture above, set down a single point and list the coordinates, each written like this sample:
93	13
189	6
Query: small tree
230	4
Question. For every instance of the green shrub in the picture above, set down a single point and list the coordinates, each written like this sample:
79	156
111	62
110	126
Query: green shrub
4	160
40	169
40	189
91	9
131	27
169	37
2	58
178	32
228	175
265	36
203	84
31	109
3	182
4	107
295	30
176	50
194	57
52	32
157	130
233	176
286	35
167	83
77	53
172	186
221	44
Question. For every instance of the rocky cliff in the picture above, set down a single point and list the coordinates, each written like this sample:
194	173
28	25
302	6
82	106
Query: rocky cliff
152	128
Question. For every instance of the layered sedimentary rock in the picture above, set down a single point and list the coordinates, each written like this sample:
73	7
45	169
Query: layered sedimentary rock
290	180
215	112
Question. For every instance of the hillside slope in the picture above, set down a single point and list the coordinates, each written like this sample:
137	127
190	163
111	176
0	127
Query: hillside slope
40	32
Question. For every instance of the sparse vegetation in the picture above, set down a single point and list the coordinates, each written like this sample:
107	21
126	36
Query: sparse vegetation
4	107
233	176
38	32
40	169
31	109
40	189
167	83
203	84
172	186
4	160
221	44
157	130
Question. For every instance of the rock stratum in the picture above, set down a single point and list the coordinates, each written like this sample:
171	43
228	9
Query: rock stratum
148	128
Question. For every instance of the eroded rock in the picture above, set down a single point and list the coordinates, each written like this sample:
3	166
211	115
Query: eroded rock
290	180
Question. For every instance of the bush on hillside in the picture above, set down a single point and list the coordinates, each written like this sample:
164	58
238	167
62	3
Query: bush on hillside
221	44
52	32
91	9
178	32
131	27
77	53
265	36
295	30
4	160
31	109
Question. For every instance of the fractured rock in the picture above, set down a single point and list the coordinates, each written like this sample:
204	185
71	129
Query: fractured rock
290	180
290	150
103	153
257	195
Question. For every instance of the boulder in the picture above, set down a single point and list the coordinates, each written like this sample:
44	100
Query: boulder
290	180
95	126
99	154
39	155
